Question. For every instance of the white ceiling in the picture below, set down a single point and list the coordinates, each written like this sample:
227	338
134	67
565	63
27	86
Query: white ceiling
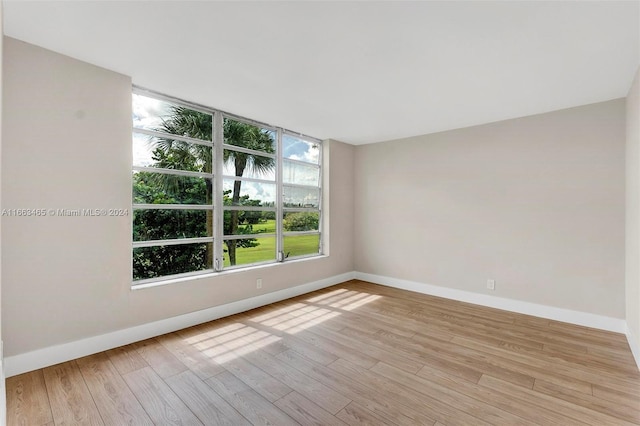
359	72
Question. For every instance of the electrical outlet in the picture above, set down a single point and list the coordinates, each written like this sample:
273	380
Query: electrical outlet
491	284
259	283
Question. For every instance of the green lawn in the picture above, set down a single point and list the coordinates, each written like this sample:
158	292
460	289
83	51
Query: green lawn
301	244
268	227
266	250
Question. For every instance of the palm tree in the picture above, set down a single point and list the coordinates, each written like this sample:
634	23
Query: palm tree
252	137
173	154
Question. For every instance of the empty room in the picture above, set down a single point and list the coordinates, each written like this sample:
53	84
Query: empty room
320	213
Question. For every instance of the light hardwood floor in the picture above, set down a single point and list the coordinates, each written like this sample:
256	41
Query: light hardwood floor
355	353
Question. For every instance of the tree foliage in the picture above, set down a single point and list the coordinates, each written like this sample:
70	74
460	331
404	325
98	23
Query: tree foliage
301	221
150	262
157	188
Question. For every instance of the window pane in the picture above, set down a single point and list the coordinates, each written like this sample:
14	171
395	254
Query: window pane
249	136
301	197
301	221
249	222
248	165
168	153
160	188
169	224
160	261
300	245
300	149
249	193
162	116
300	174
249	250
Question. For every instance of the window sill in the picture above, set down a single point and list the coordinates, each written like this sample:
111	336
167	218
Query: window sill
205	275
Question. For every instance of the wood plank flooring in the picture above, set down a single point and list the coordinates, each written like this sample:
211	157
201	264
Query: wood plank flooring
355	353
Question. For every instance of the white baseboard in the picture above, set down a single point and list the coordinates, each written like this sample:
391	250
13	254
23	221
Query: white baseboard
559	314
22	363
633	344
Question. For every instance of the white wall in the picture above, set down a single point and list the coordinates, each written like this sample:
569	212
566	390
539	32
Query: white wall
633	217
67	144
535	203
3	391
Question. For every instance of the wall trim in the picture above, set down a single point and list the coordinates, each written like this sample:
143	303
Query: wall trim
40	358
549	312
632	339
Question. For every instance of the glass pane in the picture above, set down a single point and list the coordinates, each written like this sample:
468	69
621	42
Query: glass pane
160	261
239	193
169	224
248	165
249	250
166	117
300	174
301	221
300	245
160	188
300	149
249	136
301	197
168	153
249	222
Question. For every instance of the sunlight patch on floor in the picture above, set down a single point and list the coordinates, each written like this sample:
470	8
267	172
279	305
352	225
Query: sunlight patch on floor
230	341
229	346
208	333
303	322
327	295
278	312
357	303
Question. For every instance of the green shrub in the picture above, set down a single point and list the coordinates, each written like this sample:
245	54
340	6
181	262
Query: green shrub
302	221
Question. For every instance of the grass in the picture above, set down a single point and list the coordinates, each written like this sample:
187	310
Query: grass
301	244
268	227
266	250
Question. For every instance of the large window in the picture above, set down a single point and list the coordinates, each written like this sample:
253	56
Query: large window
212	191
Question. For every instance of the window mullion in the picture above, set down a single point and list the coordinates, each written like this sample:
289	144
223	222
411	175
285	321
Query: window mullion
279	198
174	172
172	242
163	135
218	210
321	196
247	151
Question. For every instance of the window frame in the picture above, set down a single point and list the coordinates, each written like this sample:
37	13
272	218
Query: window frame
217	179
